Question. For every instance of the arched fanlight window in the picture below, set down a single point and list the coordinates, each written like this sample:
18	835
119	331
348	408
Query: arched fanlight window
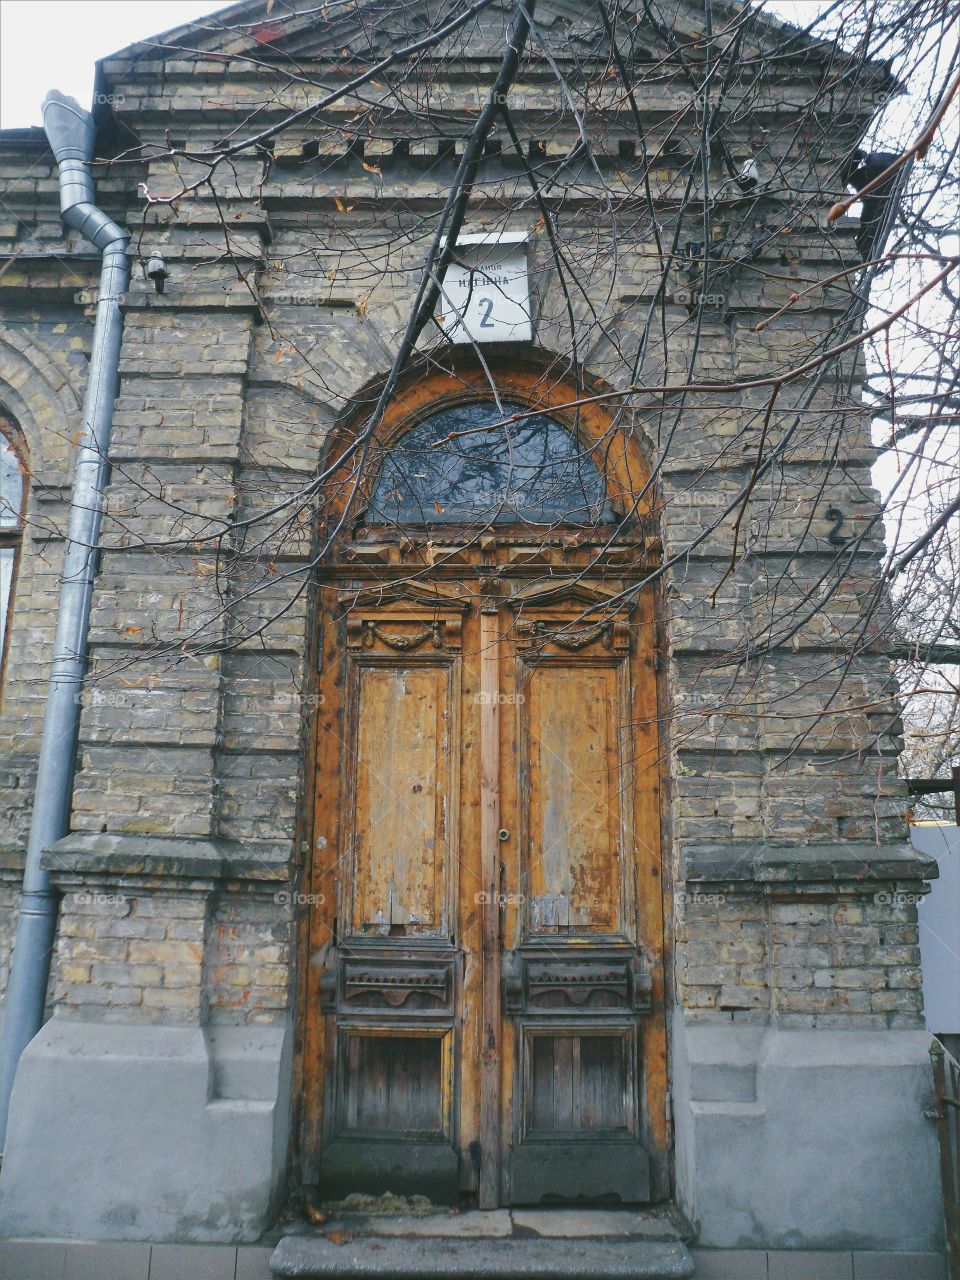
13	501
467	465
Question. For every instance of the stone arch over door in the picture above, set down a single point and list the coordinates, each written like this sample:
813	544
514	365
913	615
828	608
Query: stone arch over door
586	406
483	1004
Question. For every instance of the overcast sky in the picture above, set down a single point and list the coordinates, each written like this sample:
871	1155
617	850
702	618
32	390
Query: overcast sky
55	44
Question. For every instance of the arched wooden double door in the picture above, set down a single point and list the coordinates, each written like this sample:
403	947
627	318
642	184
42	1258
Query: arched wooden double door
484	1011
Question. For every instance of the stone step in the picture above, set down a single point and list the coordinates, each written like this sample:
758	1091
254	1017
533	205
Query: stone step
531	1257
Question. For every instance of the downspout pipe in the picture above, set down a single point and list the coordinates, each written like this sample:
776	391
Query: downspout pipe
71	133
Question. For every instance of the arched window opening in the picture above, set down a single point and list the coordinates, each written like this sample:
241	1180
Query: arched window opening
13	501
466	465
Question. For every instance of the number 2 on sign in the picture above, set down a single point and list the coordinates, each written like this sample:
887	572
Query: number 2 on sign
486	306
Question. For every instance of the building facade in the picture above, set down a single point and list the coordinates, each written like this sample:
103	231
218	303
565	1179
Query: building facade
415	850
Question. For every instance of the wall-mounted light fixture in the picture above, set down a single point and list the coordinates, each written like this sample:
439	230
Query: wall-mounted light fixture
157	271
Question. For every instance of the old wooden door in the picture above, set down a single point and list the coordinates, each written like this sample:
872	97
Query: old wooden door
485	979
484	994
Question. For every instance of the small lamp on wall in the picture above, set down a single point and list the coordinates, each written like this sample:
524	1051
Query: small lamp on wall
157	271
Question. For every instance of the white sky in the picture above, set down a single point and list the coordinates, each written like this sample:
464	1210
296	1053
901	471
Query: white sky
55	44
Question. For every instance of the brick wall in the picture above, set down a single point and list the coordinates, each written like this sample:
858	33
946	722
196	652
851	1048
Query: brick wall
162	952
801	963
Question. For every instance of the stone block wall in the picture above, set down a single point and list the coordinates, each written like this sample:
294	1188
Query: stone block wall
249	952
10	879
808	961
130	958
44	350
181	948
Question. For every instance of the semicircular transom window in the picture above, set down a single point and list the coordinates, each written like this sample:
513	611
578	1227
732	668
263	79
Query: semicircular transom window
467	465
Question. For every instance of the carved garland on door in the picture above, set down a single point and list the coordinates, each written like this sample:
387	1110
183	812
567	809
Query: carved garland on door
566	638
539	633
365	632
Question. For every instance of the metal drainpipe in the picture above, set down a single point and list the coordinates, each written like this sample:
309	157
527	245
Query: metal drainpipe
70	131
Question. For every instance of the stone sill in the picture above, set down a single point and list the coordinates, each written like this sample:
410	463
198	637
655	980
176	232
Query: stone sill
770	866
102	853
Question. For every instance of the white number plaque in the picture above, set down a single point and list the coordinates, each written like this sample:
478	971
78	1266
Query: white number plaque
486	292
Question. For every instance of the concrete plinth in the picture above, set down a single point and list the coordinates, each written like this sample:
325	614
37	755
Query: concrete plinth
806	1139
121	1132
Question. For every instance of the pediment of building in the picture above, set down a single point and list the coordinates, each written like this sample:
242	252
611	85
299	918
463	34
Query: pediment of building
305	32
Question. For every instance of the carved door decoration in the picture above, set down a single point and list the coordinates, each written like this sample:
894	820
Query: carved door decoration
485	1005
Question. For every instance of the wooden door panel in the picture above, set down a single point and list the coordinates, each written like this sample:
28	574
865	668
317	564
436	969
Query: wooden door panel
394	1084
577	985
389	990
574	797
578	1083
404	796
